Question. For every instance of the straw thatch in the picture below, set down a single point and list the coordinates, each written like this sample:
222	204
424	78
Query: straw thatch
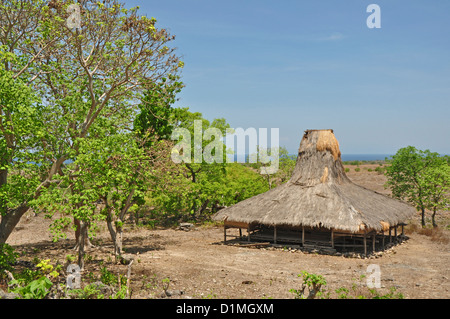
319	194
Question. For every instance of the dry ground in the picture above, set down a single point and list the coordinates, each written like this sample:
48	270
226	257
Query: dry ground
197	262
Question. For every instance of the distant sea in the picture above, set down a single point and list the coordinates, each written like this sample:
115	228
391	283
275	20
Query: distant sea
345	157
364	157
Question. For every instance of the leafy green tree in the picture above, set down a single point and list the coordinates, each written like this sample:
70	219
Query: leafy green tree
285	166
436	181
409	176
198	182
21	128
156	115
88	81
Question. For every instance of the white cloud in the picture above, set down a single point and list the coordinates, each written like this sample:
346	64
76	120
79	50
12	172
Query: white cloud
336	36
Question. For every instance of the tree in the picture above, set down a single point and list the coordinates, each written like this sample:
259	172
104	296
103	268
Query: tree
88	81
197	183
285	166
409	176
21	127
436	181
156	115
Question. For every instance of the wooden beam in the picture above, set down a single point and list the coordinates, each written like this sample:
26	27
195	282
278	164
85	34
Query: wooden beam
303	236
248	233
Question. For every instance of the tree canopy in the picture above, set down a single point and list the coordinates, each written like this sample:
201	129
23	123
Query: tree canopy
421	178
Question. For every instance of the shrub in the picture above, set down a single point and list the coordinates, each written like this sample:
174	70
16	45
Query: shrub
7	258
108	278
313	282
37	289
316	286
357	169
347	169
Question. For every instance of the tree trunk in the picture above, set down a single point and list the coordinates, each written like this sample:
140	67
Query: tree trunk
9	222
202	208
116	234
83	236
423	217
3	177
116	231
87	241
432	217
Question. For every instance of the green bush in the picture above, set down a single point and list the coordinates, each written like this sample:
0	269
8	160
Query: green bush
7	258
108	278
316	285
357	169
36	289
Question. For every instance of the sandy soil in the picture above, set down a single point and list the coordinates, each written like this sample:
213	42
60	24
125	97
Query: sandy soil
201	266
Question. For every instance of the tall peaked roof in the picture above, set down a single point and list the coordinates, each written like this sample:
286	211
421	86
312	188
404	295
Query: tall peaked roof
319	194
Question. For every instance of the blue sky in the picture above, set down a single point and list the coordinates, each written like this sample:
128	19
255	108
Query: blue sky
313	64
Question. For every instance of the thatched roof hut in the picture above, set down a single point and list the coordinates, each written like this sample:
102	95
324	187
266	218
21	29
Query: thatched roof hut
320	195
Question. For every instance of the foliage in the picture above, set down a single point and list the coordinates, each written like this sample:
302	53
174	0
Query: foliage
316	285
156	115
87	81
20	128
192	188
436	181
35	284
313	282
286	165
36	289
90	291
8	258
420	177
110	279
380	169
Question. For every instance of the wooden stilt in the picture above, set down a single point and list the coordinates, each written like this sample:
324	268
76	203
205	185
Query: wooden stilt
240	233
332	238
395	233
390	234
275	234
373	241
365	244
383	240
303	236
248	233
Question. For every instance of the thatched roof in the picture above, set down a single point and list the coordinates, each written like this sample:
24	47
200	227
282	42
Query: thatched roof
319	194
